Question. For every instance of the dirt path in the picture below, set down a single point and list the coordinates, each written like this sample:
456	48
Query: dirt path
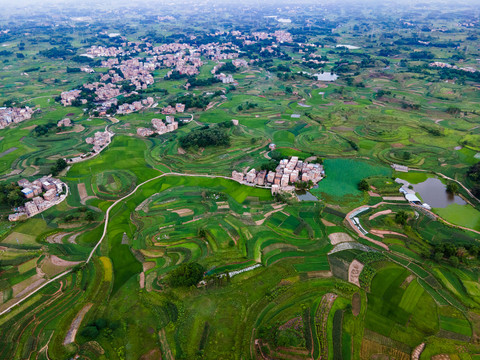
280	208
82	192
165	347
382	233
380	213
72	332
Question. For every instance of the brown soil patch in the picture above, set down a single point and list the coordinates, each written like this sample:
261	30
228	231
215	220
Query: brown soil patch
384	212
142	280
327	223
181	151
319	274
147	265
82	191
407	281
56	238
354	271
183	212
441	357
382	233
372	350
154	354
29	127
397	145
373	194
394	198
279	122
295	323
60	262
76	129
356	304
72	332
337	238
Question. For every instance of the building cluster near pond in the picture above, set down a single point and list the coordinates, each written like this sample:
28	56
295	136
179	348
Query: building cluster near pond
14	115
287	173
44	193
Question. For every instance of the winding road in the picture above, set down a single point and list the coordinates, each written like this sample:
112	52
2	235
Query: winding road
107	217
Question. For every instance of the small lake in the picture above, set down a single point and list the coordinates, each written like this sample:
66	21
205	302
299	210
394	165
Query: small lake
326	76
433	192
306	196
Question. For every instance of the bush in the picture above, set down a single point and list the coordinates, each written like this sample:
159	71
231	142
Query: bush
186	275
206	137
363	185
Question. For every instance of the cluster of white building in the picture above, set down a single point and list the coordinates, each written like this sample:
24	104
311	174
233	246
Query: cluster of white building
287	173
449	66
168	110
159	126
100	140
65	122
14	115
43	192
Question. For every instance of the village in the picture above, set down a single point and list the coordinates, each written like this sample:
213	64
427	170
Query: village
159	126
43	193
14	115
182	59
285	176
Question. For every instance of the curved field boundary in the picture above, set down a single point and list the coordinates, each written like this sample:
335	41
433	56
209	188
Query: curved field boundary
105	231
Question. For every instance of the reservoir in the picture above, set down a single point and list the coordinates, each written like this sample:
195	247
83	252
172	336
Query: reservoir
433	192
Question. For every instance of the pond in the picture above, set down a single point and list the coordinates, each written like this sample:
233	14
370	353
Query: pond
433	192
306	196
326	76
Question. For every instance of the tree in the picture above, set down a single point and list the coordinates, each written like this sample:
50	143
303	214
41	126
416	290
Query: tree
452	188
90	332
438	256
363	185
186	275
90	216
401	217
59	166
454	261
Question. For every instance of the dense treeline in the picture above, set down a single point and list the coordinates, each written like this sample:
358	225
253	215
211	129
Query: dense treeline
11	195
42	130
186	275
474	174
206	136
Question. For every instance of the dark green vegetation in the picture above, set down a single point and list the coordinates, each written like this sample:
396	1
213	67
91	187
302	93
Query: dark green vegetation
167	280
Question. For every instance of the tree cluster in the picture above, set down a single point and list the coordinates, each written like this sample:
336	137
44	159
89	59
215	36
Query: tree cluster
206	136
59	165
11	194
186	275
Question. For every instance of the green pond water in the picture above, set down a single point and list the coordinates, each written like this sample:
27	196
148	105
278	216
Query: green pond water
343	176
